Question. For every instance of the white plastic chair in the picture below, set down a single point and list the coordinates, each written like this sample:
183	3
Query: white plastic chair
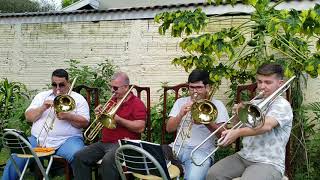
19	145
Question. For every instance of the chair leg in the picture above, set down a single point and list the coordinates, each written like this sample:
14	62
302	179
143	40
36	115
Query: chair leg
67	170
49	165
24	169
96	173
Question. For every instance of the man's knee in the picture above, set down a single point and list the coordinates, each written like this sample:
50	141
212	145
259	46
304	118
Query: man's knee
79	156
214	174
108	159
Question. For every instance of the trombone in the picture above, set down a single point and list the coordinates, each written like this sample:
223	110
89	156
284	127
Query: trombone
106	118
251	115
202	111
61	103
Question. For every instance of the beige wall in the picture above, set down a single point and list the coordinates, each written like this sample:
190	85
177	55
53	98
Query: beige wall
29	52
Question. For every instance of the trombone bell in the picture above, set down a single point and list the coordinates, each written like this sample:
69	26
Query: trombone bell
64	103
107	121
204	112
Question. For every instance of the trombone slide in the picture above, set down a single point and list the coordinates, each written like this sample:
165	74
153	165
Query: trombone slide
184	135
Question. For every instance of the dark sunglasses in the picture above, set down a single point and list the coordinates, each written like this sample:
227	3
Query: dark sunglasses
115	88
196	87
56	85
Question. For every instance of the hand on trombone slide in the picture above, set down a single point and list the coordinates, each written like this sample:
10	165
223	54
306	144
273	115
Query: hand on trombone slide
98	110
63	115
185	108
184	111
47	104
227	137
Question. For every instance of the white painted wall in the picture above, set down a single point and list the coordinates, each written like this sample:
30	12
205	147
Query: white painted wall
30	52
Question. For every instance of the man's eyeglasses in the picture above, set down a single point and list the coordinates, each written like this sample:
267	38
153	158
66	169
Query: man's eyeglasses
195	87
61	85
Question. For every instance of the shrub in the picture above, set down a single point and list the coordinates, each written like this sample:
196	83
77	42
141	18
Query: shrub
14	98
98	76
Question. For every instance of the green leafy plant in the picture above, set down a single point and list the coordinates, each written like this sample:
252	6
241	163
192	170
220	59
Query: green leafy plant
290	38
98	76
310	119
12	95
17	120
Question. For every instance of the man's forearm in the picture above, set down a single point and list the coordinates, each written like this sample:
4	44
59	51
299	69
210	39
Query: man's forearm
246	131
136	126
173	123
34	114
77	121
213	126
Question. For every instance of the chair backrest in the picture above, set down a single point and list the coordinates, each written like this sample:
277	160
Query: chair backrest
18	143
136	160
176	89
251	92
139	90
91	93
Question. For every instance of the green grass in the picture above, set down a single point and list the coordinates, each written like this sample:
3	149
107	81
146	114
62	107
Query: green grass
4	155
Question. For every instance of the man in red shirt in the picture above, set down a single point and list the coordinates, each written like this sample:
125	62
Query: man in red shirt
130	119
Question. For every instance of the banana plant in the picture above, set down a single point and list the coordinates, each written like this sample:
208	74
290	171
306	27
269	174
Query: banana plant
10	93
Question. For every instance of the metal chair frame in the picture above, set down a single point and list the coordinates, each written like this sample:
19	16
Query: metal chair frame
16	142
143	158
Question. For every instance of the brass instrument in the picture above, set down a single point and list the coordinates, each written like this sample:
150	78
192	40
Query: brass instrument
61	103
251	115
202	111
106	118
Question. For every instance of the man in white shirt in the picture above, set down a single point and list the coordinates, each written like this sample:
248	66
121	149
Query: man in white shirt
263	154
198	81
66	135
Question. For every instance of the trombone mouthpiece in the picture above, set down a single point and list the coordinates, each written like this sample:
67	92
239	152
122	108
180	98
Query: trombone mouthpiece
260	95
195	96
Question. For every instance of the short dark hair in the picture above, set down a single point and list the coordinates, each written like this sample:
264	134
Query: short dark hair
60	73
199	75
270	69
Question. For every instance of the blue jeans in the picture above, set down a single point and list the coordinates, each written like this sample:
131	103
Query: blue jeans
192	171
67	150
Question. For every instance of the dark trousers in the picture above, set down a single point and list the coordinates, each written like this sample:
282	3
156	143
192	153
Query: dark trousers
88	157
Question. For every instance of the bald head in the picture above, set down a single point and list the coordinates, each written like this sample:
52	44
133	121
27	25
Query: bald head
123	77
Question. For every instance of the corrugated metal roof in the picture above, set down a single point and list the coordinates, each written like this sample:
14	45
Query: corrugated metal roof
103	11
135	12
